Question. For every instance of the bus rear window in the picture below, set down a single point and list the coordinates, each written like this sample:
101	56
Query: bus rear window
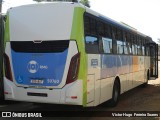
43	47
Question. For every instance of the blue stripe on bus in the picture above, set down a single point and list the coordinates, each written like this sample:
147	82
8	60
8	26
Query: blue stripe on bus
113	64
39	69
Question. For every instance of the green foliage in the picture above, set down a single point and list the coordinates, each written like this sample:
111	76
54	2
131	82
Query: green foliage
55	0
85	2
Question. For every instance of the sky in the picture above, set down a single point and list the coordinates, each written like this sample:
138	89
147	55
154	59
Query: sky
144	15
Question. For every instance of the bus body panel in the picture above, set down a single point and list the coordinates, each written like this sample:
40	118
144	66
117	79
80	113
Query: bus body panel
28	21
78	35
39	68
27	77
103	69
70	94
93	83
52	27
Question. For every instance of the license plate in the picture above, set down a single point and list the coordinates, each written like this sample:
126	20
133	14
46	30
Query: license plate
36	81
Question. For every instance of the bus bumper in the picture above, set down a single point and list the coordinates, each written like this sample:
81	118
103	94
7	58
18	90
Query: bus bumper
69	94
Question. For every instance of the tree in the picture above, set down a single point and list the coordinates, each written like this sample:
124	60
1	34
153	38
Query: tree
56	0
38	0
84	2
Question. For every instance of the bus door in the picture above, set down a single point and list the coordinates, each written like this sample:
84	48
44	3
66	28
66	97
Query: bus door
153	60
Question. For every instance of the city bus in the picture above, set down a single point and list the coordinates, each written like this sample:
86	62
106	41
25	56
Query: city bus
66	53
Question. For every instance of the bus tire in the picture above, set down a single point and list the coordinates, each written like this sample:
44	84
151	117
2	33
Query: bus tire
115	94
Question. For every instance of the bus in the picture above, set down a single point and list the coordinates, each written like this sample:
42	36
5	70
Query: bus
66	53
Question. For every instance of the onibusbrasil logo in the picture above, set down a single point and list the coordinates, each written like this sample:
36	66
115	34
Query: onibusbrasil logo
33	66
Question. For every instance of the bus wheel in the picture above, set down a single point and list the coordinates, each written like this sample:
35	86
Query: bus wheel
115	94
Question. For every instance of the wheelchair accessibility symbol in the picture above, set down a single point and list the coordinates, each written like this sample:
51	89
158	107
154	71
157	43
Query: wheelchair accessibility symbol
33	66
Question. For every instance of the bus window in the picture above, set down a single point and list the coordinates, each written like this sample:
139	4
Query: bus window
127	44
90	27
147	50
139	46
93	29
119	40
108	31
107	45
87	25
125	48
105	42
134	45
143	48
119	47
92	44
100	27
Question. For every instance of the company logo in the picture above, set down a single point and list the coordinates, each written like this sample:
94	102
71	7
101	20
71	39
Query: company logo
20	115
33	66
6	114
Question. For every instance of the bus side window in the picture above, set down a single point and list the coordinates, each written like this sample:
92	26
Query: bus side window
91	41
143	48
139	45
114	43
93	26
126	44
134	45
92	45
107	45
119	39
119	47
105	39
147	49
87	25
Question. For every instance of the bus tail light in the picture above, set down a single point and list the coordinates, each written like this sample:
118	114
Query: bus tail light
73	68
7	65
74	97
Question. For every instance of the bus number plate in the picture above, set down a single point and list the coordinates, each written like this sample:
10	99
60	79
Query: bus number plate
37	81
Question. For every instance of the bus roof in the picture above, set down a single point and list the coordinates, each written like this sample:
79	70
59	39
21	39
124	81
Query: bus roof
88	10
